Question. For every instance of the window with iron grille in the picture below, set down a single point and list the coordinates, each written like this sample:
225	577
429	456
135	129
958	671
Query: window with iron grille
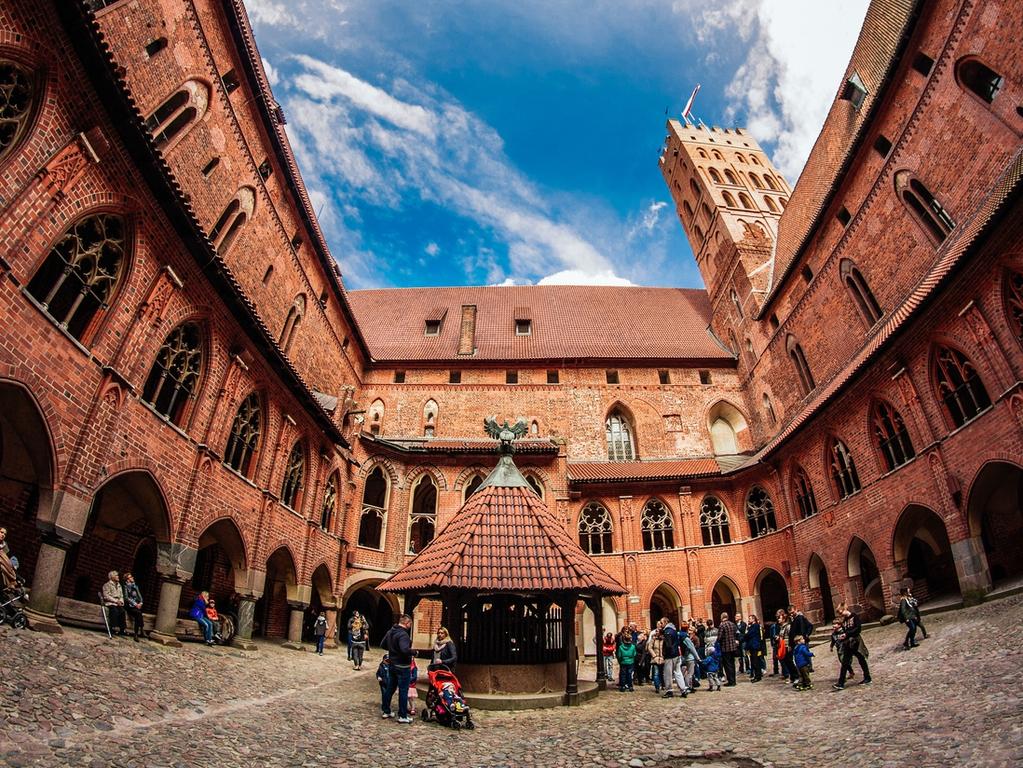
329	503
175	373
714	522
892	436
374	507
658	529
245	431
423	520
78	278
17	96
294	474
760	512
802	489
843	469
619	438
959	386
595	529
1014	303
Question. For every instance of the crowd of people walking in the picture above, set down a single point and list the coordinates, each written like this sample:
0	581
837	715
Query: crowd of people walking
679	660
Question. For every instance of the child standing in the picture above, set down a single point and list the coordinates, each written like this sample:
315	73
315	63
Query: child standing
384	679
320	632
802	655
413	694
712	667
626	662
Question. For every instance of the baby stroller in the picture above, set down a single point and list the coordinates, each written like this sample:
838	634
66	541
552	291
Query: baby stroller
11	599
444	702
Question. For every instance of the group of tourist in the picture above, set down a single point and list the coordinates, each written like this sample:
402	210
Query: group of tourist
397	671
121	597
680	658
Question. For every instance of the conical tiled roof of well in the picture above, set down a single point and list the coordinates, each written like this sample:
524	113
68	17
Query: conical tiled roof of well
503	539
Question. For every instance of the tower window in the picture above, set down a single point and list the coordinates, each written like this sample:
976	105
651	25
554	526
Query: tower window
806	382
619	438
210	167
774	322
869	309
705	377
770	204
153	47
454	377
843	216
399	377
882	146
511	377
612	377
178	113
553	377
265	170
737	303
664	377
807	273
979	78
923	63
230	80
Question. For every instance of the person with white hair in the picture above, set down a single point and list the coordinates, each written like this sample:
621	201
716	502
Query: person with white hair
113	602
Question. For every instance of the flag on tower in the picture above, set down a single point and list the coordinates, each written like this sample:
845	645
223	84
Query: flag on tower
689	104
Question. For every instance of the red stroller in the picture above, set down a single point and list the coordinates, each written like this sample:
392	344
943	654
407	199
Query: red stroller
444	701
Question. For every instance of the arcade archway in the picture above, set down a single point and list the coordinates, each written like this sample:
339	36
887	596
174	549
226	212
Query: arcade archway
866	578
321	598
922	553
817	579
379	609
773	594
724	599
281	585
995	509
221	565
665	601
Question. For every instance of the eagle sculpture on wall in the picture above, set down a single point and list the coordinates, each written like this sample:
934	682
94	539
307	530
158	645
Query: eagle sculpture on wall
506	432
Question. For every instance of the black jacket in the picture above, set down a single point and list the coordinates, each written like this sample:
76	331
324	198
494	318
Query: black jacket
398	645
800	626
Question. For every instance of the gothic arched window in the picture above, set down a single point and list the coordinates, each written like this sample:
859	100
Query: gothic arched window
423	520
294	475
931	215
795	351
535	484
17	97
1014	303
802	489
959	386
658	529
618	432
843	469
183	109
869	309
595	529
714	522
245	431
175	373
329	503
292	321
234	217
75	283
470	487
374	508
892	436
760	512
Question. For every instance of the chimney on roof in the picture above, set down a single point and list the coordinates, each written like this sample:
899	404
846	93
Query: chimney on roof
467	331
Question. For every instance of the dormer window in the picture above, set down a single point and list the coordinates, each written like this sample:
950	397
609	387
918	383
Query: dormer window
855	92
432	328
523	327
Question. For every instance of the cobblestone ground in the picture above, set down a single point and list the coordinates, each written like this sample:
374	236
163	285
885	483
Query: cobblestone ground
82	700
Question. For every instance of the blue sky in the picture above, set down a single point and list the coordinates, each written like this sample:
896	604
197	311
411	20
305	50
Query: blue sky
492	142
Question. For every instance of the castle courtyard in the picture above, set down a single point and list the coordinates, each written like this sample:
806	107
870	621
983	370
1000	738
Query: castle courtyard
83	700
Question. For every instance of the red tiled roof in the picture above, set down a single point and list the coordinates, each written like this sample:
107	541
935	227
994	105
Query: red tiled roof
886	26
954	250
574	322
410	444
503	539
625	471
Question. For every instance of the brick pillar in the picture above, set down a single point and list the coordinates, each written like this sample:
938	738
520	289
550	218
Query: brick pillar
331	612
165	628
971	569
42	605
294	641
243	632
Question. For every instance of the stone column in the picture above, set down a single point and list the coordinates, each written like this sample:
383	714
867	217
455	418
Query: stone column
165	629
294	641
971	569
246	615
42	606
331	611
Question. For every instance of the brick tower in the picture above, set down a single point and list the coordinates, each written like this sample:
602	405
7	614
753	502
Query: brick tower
729	198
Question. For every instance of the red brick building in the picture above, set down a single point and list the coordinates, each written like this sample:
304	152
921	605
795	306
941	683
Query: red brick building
188	391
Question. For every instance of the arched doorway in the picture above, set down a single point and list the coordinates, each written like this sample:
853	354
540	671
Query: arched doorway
281	585
127	518
379	609
773	594
866	577
26	473
589	625
817	579
322	597
922	553
221	565
665	602
724	599
995	509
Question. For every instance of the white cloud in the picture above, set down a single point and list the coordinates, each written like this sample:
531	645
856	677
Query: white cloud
578	277
432	249
797	51
271	73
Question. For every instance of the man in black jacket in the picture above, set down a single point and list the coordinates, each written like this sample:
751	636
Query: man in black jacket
398	644
852	647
